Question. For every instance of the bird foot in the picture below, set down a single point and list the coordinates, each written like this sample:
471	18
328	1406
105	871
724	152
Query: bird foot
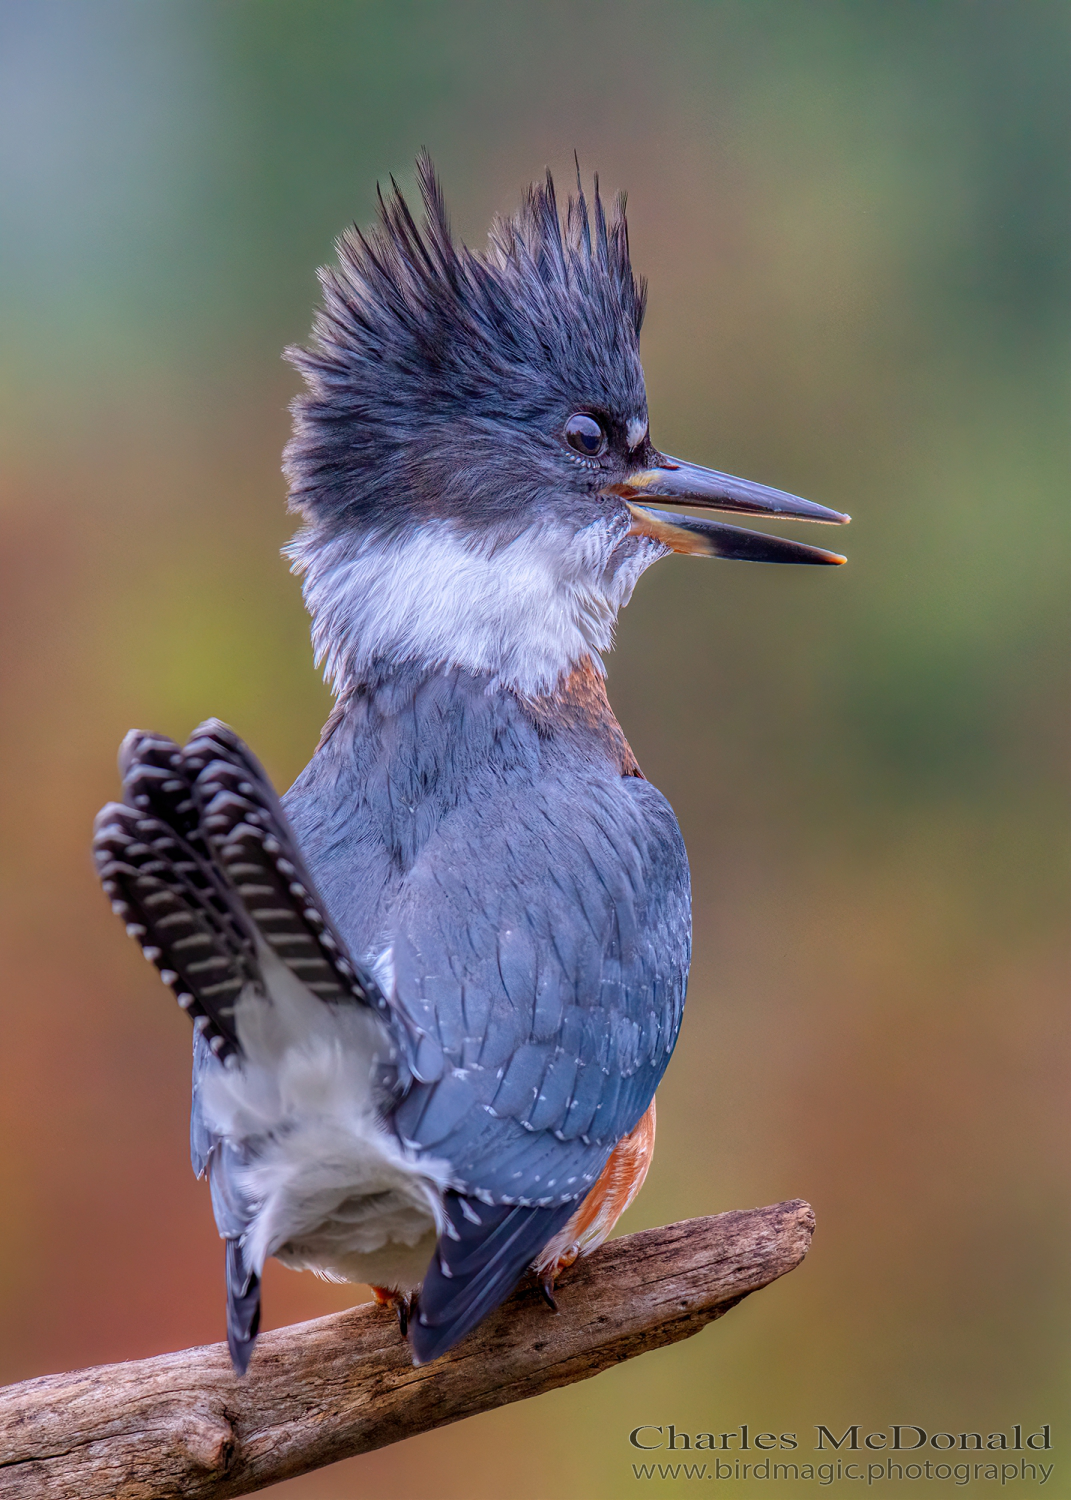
403	1303
548	1268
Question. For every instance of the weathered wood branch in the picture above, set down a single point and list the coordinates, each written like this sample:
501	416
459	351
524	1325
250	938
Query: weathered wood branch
182	1424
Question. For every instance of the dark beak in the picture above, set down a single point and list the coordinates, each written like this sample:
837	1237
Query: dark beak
688	484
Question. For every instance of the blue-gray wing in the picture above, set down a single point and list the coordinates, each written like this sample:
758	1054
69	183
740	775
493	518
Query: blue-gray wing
541	949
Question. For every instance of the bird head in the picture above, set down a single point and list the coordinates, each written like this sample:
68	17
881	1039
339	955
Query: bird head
472	456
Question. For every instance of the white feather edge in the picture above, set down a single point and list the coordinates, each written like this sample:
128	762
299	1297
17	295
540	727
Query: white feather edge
331	1187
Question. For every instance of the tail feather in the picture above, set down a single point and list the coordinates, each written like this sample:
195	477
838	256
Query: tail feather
156	781
243	1307
200	863
159	887
243	821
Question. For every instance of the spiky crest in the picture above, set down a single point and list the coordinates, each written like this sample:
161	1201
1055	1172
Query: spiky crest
420	338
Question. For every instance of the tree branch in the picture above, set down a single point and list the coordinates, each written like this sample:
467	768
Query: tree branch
182	1424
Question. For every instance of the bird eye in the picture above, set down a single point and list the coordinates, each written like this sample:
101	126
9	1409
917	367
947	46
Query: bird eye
584	434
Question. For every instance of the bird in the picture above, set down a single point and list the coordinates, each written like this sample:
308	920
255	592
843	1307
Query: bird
435	986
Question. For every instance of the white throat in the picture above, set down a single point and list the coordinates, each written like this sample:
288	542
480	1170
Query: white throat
524	611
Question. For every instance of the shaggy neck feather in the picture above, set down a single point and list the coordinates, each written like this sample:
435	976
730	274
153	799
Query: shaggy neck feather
522	611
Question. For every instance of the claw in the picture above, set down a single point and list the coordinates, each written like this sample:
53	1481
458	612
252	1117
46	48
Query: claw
546	1287
403	1303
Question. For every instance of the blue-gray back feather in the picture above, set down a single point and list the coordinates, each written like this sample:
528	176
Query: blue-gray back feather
534	904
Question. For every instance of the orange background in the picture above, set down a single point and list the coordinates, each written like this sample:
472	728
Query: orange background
852	217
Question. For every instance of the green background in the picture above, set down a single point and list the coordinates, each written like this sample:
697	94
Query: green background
852	216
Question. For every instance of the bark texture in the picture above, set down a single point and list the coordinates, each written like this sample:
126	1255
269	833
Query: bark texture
183	1425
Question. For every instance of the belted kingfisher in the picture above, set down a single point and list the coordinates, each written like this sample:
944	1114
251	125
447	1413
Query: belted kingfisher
436	986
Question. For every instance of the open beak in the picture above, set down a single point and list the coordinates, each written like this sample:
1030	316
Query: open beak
688	484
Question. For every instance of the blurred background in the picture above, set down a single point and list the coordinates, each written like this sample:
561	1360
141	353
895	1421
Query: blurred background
853	219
